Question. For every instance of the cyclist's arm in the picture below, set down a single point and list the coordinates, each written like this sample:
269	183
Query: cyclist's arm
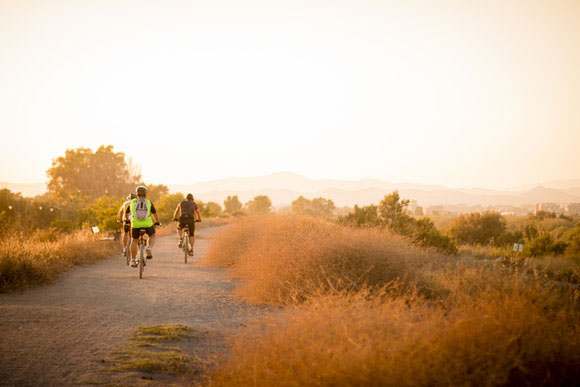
177	211
154	213
198	215
121	214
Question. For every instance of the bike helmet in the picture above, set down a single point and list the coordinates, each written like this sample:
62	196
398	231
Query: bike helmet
189	196
132	196
141	189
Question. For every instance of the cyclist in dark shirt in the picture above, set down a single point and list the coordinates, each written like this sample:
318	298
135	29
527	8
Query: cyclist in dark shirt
185	214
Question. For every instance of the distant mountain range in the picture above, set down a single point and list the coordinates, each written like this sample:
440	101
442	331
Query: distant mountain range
284	187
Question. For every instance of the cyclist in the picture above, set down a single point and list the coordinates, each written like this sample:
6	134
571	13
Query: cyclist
142	213
185	212
126	227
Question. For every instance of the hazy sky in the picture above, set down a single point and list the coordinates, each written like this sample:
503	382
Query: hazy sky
461	93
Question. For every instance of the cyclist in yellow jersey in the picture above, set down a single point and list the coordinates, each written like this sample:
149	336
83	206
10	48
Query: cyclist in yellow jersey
143	213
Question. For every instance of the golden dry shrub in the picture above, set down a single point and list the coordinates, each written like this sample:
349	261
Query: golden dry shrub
228	246
286	259
38	258
505	331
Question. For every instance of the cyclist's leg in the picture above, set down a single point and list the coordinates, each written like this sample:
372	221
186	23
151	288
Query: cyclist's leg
151	233
135	237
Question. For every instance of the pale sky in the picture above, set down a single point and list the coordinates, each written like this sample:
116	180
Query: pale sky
453	92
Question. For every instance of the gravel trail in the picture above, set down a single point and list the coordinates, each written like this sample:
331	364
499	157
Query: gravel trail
59	334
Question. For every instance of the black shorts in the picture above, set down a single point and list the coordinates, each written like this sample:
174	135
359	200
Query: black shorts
127	227
135	233
187	221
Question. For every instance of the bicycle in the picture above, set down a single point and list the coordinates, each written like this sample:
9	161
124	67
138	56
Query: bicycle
186	244
128	246
141	245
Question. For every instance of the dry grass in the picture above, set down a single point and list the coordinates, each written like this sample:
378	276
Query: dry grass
558	268
516	334
36	259
357	312
287	259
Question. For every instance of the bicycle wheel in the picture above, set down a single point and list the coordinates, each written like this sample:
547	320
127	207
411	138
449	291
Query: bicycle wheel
128	251
141	259
185	247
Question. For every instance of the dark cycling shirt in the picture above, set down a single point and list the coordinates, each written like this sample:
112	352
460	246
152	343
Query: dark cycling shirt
188	208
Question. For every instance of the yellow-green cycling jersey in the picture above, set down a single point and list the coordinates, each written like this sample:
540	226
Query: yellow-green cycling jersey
141	223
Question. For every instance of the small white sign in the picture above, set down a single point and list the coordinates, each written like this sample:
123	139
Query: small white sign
95	229
518	247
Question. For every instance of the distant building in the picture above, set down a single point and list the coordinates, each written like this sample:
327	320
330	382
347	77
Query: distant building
548	207
572	209
412	207
435	210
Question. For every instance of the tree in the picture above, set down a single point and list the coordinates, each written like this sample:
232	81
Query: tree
232	204
393	213
166	206
82	172
260	205
573	238
323	207
300	205
362	217
478	228
212	210
316	207
426	234
156	192
103	213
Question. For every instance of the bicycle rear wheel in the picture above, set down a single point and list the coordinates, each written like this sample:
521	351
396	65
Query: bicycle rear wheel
141	259
185	247
128	251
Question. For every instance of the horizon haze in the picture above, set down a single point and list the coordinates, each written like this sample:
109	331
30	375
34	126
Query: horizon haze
461	94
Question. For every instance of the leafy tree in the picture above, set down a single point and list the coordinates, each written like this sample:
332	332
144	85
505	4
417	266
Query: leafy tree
362	216
323	207
232	204
260	205
167	205
316	207
573	238
156	192
102	212
478	228
212	210
300	205
82	172
544	245
392	211
426	234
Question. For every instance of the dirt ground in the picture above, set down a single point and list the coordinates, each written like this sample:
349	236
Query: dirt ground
60	334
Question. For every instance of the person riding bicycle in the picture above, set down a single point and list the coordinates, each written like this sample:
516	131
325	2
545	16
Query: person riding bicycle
126	223
142	213
185	213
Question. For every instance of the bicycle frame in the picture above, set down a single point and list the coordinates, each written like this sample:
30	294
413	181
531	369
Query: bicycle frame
141	244
185	242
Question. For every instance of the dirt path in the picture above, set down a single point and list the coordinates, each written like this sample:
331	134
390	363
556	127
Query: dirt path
58	334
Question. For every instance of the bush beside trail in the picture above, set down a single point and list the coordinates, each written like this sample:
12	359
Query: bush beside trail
38	258
515	334
364	306
287	259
